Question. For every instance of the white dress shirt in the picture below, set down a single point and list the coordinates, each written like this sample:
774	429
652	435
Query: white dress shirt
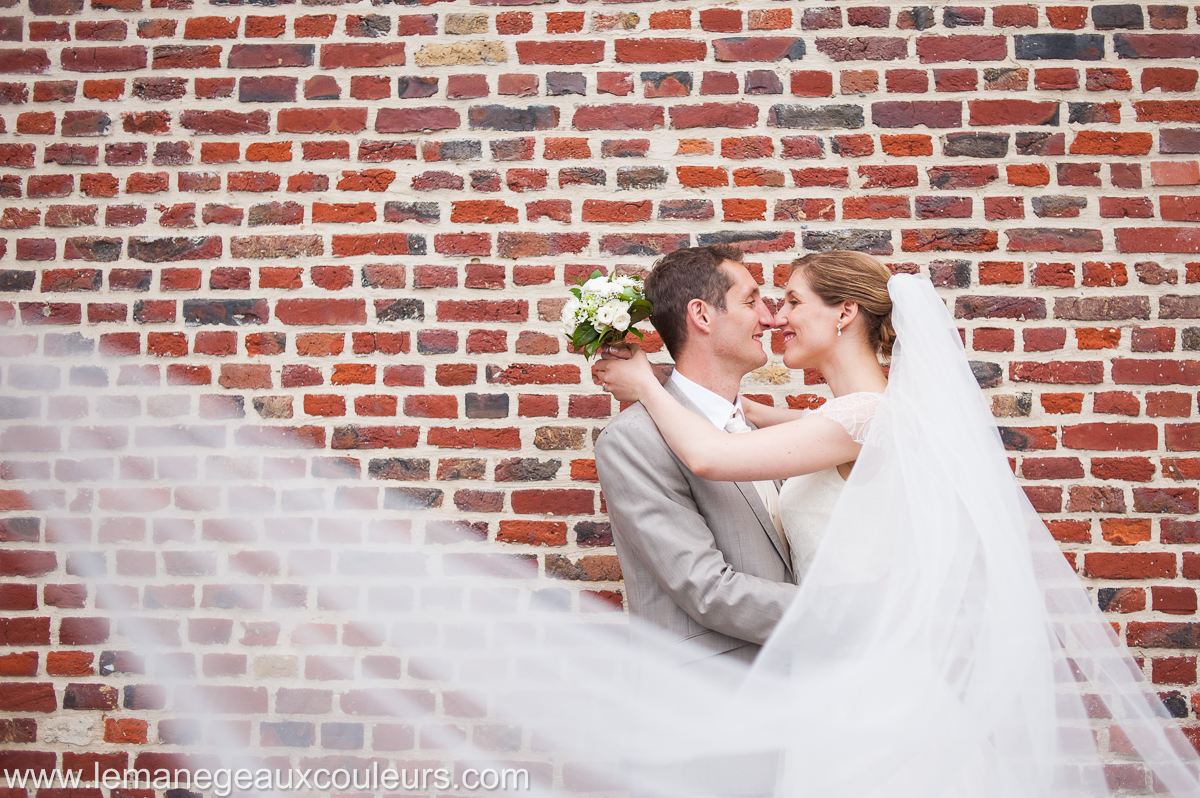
716	408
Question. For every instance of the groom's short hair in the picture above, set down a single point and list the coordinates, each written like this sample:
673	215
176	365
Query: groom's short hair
684	275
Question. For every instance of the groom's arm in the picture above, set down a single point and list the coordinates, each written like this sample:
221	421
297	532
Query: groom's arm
649	501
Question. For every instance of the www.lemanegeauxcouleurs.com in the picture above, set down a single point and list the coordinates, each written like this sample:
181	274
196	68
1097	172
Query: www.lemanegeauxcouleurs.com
223	781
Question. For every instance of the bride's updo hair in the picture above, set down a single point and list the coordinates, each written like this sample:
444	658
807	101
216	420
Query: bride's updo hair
844	276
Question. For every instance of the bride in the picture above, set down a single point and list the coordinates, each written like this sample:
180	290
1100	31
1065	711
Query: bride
940	644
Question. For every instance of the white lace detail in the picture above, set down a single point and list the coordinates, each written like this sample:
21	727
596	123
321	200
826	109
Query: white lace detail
853	411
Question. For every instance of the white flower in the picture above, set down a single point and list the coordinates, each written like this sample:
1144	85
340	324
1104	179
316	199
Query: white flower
601	304
572	315
595	285
608	312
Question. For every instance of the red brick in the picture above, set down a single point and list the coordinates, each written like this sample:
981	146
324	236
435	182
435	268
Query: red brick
940	49
659	51
29	697
321	311
508	23
721	20
1120	403
906	145
1125	531
616	211
536	533
553	502
1103	436
888	176
1129	565
560	53
1056	79
1061	403
1067	17
1015	16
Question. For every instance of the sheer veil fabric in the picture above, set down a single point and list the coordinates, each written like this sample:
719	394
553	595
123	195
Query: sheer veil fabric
940	645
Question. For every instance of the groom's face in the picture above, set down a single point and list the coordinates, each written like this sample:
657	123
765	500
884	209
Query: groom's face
737	333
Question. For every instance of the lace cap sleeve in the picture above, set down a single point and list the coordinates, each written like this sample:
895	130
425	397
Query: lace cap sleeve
853	411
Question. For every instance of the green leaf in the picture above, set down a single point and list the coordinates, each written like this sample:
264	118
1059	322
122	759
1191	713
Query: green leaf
636	317
584	334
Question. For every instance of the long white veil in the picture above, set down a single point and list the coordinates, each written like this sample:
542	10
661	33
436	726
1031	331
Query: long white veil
941	644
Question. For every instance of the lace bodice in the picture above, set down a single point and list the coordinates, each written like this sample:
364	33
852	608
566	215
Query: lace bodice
806	502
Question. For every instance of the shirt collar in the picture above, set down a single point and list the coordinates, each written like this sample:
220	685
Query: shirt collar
716	408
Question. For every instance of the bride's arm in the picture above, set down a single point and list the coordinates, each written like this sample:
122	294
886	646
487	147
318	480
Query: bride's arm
761	415
785	450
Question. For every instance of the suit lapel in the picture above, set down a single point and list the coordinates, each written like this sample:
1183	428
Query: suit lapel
747	489
750	493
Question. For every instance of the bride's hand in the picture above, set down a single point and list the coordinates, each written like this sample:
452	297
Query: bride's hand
627	379
662	371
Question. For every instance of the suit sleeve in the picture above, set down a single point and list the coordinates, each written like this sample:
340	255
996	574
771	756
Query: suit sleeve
650	503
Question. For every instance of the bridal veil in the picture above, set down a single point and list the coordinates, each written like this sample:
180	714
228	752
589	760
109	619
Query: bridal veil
940	646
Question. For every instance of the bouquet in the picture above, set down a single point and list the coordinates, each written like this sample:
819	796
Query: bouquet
602	310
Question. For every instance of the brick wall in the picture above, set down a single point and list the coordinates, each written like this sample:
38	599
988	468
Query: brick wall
256	254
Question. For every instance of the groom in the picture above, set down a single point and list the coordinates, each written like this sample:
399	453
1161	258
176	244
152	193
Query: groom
705	561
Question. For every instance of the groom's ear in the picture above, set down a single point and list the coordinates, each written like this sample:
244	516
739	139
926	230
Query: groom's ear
699	314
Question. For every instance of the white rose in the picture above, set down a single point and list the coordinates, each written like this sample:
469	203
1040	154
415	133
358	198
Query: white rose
622	321
595	285
608	313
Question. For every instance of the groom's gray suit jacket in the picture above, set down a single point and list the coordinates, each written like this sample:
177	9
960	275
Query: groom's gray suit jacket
700	559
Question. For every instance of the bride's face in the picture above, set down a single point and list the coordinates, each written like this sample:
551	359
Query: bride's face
809	326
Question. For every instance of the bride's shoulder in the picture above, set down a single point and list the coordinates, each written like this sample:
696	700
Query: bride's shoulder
854	411
858	399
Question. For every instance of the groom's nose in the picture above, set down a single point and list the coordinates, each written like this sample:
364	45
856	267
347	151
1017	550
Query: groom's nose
767	316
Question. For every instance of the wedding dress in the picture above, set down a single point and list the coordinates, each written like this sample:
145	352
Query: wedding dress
806	502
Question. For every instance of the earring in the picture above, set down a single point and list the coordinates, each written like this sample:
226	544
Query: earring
839	329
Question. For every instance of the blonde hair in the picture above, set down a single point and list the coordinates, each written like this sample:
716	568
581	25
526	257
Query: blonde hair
846	276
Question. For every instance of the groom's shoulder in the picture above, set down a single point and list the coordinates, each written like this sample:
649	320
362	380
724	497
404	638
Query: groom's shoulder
631	424
630	420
